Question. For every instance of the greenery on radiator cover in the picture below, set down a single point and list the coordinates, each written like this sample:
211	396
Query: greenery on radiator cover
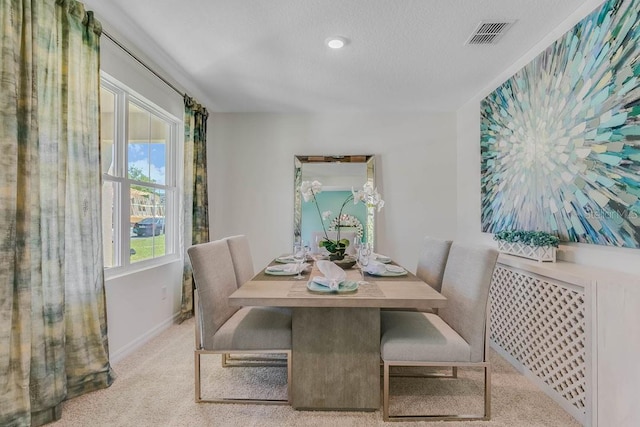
531	238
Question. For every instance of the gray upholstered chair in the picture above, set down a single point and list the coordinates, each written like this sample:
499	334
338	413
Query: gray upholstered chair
241	257
433	260
455	337
243	267
221	328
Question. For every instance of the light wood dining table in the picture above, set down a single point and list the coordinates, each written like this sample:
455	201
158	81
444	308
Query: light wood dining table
335	359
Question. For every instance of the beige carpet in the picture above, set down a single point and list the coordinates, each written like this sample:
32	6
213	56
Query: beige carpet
154	387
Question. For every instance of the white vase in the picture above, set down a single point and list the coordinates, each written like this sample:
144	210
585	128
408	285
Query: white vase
538	253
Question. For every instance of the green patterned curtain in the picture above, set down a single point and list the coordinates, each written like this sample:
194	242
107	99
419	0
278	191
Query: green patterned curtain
53	338
196	204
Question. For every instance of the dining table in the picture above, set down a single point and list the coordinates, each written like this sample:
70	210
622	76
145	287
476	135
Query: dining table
335	350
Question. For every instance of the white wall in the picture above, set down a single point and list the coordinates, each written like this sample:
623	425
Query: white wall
137	306
250	160
468	160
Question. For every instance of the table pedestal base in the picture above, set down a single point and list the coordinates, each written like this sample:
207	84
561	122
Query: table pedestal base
335	359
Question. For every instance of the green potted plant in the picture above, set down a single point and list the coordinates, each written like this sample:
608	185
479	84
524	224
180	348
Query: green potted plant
537	245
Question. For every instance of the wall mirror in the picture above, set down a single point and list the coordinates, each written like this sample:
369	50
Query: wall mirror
338	175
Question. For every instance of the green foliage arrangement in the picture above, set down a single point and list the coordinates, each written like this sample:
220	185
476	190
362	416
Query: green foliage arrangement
531	238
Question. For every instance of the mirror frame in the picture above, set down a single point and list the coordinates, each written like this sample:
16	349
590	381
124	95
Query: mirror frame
300	160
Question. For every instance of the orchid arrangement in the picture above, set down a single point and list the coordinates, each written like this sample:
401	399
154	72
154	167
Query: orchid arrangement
367	195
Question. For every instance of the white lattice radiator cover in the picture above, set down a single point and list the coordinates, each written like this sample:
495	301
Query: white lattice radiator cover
541	324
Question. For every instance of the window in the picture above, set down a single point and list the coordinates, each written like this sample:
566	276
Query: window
139	143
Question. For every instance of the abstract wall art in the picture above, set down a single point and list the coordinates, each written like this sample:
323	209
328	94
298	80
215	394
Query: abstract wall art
560	139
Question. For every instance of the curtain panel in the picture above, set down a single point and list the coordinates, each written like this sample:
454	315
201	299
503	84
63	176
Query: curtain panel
53	333
196	204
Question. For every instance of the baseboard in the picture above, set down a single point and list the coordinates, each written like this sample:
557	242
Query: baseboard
143	339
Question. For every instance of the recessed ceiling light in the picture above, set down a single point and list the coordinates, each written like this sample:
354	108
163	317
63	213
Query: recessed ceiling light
336	42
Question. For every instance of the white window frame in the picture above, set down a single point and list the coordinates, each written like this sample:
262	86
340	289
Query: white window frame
173	172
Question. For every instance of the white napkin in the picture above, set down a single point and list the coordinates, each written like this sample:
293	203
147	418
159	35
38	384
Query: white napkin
376	267
286	258
333	275
382	258
287	268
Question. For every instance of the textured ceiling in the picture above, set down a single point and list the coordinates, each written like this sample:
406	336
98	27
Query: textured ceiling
269	55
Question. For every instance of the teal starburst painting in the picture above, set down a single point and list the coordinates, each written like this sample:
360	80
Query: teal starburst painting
560	140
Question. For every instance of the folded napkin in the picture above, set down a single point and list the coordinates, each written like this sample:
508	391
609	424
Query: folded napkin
382	258
285	258
287	268
333	275
376	267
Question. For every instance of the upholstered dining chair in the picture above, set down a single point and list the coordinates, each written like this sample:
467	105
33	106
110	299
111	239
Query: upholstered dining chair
455	337
241	258
243	267
221	328
432	261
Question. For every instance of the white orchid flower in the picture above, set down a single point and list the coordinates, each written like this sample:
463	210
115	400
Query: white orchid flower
308	189
326	215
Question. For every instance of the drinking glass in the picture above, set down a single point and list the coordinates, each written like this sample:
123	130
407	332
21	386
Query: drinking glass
357	243
299	256
364	253
307	249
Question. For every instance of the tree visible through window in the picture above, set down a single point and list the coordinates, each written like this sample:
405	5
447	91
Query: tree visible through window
139	175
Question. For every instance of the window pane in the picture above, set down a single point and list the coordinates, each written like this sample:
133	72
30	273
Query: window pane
138	144
107	130
109	229
148	135
158	150
148	207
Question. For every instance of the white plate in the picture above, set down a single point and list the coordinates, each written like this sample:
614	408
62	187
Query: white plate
288	259
279	273
276	270
391	273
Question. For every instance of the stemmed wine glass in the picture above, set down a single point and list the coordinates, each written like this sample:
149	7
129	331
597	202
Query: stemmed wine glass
364	253
299	256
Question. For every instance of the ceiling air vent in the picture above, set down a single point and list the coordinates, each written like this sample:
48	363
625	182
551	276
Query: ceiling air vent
489	32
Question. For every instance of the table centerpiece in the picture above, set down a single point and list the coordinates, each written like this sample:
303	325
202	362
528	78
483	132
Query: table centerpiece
337	247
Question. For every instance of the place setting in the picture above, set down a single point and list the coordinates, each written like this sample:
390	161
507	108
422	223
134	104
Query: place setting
291	264
289	269
378	268
333	279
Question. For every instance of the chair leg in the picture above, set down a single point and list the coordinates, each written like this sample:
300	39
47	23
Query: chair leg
228	361
385	392
197	376
198	391
386	416
487	392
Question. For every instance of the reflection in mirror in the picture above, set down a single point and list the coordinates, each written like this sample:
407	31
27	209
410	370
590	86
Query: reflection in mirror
338	175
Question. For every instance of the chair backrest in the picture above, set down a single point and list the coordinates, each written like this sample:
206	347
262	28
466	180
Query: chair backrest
241	257
317	236
215	280
466	282
433	260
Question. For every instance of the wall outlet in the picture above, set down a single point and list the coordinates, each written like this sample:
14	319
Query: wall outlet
164	292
